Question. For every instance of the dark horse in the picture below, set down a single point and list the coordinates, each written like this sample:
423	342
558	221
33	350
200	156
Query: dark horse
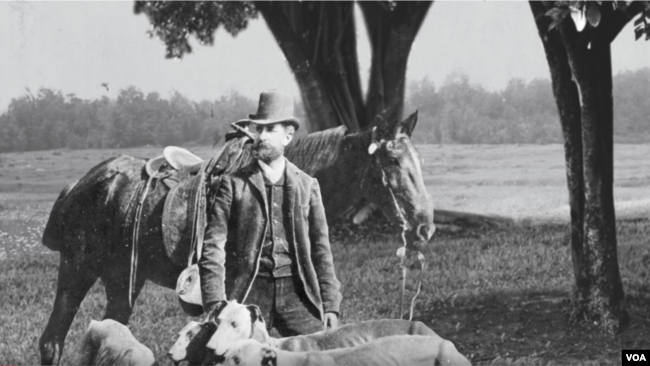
91	223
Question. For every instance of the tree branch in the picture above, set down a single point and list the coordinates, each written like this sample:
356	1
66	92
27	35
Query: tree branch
621	17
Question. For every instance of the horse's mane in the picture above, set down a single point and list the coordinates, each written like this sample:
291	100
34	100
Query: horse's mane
316	151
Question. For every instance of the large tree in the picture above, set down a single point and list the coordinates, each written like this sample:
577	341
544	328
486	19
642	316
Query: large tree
318	40
579	57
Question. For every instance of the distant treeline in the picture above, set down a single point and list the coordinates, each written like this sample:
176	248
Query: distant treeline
50	120
458	112
463	113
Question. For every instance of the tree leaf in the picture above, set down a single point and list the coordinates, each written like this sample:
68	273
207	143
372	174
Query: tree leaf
638	21
638	32
593	14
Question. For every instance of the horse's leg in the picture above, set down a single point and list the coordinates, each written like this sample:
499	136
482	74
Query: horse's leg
117	296
71	289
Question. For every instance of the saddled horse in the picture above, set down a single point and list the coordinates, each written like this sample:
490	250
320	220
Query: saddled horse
92	221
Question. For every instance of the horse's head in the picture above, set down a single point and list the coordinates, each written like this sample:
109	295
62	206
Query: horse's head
394	178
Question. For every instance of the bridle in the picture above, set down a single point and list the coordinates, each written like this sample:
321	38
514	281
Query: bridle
401	252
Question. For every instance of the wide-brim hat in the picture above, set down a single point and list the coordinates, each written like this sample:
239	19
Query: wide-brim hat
274	107
188	289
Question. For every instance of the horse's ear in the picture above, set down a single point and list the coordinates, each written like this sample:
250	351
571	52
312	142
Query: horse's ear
408	125
256	313
270	358
387	122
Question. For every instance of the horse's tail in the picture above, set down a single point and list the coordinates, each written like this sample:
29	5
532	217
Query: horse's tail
52	235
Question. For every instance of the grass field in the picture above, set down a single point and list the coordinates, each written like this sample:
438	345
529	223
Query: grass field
499	295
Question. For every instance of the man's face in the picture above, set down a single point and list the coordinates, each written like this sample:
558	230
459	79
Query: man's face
270	141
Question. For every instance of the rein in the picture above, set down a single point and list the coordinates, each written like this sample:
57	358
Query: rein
401	252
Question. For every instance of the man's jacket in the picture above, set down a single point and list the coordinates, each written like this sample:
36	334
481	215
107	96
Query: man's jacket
237	225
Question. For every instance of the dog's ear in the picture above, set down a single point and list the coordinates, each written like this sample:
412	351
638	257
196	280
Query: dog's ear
256	314
216	310
208	328
269	358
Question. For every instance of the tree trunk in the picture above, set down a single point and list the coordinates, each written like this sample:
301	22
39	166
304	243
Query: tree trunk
319	41
592	71
392	29
584	59
319	116
568	105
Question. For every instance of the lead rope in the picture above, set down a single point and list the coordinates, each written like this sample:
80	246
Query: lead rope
401	253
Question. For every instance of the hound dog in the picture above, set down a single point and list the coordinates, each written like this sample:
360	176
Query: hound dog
237	322
412	350
111	343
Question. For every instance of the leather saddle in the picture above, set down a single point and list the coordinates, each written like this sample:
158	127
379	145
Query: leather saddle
188	178
184	211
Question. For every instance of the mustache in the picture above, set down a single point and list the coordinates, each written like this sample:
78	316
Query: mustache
266	152
261	145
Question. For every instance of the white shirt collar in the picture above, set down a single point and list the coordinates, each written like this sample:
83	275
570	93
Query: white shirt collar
273	175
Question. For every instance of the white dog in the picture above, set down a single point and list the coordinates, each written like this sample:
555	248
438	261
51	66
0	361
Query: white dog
111	343
237	322
411	350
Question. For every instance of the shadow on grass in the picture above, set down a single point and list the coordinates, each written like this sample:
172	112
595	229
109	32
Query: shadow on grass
533	328
501	295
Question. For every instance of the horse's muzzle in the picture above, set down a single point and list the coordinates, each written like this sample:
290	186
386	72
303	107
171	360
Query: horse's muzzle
419	238
425	232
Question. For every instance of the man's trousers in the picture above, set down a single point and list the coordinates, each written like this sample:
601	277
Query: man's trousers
285	306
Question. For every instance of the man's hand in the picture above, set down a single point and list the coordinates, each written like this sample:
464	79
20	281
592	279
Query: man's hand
331	321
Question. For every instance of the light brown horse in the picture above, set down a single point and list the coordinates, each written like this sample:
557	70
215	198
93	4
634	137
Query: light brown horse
91	223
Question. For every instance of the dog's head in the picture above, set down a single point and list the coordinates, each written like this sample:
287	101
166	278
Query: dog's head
191	342
235	321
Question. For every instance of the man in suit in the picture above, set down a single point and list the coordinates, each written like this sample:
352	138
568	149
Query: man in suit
267	240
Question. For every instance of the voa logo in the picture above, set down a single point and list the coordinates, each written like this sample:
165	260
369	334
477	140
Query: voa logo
635	357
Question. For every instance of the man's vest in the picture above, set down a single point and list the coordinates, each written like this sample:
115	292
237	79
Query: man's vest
278	253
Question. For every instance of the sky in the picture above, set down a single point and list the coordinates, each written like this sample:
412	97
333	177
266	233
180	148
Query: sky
74	47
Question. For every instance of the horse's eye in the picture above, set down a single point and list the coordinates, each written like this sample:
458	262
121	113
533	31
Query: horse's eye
234	325
393	161
236	360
